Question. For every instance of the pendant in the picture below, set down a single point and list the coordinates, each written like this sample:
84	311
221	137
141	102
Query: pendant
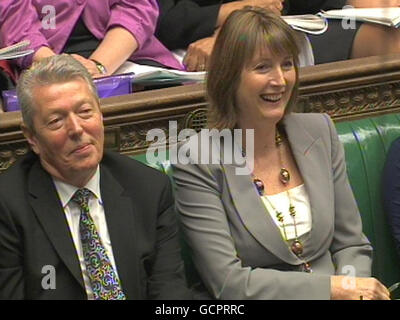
284	176
259	185
278	138
307	267
297	247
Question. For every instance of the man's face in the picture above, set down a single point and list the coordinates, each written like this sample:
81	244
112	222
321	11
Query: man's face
68	131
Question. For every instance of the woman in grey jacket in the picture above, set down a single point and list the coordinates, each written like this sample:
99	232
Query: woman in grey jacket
288	227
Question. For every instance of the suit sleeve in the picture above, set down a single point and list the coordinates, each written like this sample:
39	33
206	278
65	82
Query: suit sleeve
11	264
19	21
207	232
391	190
350	248
182	22
167	277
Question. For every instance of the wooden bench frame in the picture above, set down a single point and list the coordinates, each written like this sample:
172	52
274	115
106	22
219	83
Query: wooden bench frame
346	90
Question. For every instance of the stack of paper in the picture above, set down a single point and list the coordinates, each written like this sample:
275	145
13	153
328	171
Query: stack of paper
148	74
307	23
385	16
17	50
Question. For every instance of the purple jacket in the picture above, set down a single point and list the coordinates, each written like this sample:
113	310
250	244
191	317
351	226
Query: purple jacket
29	19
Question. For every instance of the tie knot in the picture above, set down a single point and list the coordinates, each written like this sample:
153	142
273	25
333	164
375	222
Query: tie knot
81	197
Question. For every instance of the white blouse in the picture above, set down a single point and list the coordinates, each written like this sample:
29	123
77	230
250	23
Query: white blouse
299	199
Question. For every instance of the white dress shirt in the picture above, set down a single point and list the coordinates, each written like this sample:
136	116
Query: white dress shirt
73	212
299	199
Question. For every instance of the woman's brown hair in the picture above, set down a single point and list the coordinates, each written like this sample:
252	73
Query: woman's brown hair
244	32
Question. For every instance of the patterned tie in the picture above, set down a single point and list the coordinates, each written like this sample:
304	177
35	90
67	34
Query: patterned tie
103	279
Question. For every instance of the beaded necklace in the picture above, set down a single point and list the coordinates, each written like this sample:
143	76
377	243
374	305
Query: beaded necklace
284	177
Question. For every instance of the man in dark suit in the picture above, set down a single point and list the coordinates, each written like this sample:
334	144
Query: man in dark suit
76	223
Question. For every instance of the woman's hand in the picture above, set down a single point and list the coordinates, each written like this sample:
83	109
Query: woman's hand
116	47
227	8
89	65
353	288
41	53
274	5
198	53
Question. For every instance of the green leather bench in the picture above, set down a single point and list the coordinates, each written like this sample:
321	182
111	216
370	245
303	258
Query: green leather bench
366	143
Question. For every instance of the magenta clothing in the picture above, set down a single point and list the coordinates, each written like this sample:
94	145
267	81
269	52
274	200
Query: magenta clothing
29	19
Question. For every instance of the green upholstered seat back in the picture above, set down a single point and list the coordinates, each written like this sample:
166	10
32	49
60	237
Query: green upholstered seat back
164	166
366	143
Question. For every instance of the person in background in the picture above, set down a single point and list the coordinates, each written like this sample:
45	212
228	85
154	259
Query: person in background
102	35
373	39
77	222
289	228
200	21
7	79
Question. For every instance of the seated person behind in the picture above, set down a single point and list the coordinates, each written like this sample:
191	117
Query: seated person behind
199	23
76	223
391	190
102	35
291	228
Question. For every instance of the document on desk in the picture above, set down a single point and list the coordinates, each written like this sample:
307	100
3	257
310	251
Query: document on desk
145	74
385	16
308	23
15	51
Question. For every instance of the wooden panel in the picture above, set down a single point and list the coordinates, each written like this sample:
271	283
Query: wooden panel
352	89
346	90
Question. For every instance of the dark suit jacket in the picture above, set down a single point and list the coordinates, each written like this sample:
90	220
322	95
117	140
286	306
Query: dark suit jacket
391	190
140	216
182	22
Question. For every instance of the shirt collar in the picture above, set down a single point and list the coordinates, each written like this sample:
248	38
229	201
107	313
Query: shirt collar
66	191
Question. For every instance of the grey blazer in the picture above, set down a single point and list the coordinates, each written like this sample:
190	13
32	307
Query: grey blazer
237	248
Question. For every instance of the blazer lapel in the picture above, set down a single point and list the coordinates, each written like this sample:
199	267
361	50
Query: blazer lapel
120	219
254	215
315	168
48	209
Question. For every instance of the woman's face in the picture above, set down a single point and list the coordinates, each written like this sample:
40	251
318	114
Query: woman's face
265	87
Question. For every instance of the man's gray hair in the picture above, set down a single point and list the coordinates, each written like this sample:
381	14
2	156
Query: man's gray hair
52	70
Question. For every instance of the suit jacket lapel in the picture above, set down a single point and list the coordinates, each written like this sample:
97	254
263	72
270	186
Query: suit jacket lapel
120	219
48	209
315	168
254	216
